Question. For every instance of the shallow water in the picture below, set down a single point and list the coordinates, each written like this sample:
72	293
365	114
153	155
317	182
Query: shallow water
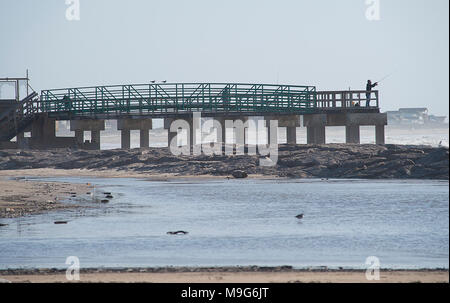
241	222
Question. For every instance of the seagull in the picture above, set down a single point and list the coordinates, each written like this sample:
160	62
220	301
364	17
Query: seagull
164	81
153	81
299	216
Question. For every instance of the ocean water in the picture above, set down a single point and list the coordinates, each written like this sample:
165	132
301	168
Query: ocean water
240	222
394	135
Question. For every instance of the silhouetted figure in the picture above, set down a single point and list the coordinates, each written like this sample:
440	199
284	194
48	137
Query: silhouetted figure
67	103
369	87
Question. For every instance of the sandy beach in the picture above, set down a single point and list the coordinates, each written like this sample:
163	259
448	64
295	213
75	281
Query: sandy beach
230	275
20	197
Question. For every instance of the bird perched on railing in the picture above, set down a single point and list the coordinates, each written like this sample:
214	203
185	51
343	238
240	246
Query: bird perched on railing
164	81
153	81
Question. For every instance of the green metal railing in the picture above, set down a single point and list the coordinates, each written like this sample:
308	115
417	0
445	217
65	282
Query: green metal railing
179	98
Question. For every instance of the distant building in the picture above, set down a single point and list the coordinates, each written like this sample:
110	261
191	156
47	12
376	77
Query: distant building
414	116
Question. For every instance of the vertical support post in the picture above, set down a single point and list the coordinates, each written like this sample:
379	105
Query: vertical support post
291	135
352	134
21	142
268	130
224	132
144	138
310	135
171	136
315	134
379	134
79	136
95	138
125	139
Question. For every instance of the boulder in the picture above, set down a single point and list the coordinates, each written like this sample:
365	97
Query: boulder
239	174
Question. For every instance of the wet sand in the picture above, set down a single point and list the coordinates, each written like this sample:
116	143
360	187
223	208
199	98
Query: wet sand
21	197
236	276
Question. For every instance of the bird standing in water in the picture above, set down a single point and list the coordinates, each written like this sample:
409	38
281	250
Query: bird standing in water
299	216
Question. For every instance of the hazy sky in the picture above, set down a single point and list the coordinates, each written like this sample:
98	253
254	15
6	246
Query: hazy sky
326	43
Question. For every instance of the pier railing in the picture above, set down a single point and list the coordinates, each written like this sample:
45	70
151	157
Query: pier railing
180	98
347	99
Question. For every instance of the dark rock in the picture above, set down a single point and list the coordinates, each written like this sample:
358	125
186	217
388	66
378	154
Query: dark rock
239	174
179	232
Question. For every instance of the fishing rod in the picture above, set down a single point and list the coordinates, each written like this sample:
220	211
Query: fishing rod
385	77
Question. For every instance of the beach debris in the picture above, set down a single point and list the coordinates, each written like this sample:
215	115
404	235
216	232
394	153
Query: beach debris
106	193
60	222
104	201
299	216
109	196
239	174
179	232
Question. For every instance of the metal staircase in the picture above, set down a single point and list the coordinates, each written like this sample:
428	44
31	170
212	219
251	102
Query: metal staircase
18	117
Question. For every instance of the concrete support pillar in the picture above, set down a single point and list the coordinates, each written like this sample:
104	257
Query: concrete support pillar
79	136
95	139
126	125
21	141
315	134
43	130
239	134
144	138
125	139
92	125
352	134
315	128
379	134
171	136
224	129
291	122
268	133
192	134
291	135
267	123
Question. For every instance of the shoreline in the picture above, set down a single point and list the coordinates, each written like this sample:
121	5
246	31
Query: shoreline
22	197
247	274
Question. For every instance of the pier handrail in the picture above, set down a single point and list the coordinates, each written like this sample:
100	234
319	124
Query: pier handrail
179	98
348	99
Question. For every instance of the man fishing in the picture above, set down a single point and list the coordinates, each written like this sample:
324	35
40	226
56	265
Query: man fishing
369	87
